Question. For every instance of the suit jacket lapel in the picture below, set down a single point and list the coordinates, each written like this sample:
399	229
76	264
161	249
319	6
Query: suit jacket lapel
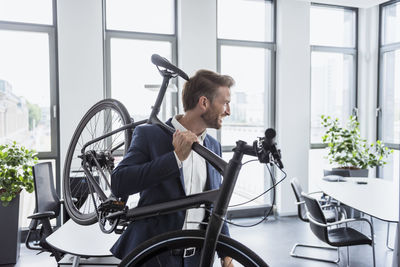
209	182
180	170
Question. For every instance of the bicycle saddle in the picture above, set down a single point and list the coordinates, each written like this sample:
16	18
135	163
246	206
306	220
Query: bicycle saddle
163	62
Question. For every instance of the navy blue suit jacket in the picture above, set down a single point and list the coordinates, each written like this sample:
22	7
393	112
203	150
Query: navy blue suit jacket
150	167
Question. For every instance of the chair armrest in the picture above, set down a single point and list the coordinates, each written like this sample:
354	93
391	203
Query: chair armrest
42	215
315	192
341	222
299	202
350	220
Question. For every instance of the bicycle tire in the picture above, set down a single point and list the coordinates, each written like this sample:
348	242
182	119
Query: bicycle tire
181	239
101	118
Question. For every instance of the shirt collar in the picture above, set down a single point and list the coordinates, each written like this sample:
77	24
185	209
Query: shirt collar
178	126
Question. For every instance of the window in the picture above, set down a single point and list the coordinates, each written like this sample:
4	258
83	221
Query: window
249	57
27	76
388	110
333	39
131	39
28	92
333	65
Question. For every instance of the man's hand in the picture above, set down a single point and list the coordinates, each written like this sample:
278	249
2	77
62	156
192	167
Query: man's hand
182	142
227	262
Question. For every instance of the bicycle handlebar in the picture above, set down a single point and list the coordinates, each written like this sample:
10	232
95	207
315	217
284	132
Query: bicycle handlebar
163	62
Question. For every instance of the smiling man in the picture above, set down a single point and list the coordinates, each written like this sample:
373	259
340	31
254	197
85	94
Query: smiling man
164	168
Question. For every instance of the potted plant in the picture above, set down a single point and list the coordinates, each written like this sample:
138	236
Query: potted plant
15	174
348	150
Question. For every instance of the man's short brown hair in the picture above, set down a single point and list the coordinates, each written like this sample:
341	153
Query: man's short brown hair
203	83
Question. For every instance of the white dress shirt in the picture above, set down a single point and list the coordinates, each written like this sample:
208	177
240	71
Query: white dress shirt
194	170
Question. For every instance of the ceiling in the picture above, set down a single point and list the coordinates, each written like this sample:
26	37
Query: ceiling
351	3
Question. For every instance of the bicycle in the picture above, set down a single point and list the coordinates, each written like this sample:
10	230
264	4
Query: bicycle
104	133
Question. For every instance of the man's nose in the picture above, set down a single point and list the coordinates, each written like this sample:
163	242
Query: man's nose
227	110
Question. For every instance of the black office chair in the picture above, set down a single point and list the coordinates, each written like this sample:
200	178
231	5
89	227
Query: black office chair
342	236
331	212
47	208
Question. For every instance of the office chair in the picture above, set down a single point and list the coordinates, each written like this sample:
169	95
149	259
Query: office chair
47	208
342	236
331	212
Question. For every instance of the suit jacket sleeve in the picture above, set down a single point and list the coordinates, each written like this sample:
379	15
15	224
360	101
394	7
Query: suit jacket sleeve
139	169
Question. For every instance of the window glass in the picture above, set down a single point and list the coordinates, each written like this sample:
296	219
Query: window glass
391	169
391	23
245	20
391	97
152	16
25	89
332	26
250	182
132	71
27	11
248	96
317	163
332	85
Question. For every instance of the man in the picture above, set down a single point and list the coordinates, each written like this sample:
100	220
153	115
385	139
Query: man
163	167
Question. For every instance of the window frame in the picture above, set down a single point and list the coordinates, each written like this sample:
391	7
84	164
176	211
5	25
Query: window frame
54	153
270	107
144	36
51	30
382	49
353	51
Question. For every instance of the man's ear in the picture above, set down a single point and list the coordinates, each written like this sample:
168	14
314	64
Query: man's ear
203	103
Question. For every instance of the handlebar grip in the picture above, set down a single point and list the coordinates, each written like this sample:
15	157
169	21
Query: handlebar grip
162	62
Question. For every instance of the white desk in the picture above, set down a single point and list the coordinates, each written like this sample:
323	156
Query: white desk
82	240
378	198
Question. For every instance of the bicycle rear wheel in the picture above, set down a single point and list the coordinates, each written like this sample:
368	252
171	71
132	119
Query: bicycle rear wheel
150	253
102	118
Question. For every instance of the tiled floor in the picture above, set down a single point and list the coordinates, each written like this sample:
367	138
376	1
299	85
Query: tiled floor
273	240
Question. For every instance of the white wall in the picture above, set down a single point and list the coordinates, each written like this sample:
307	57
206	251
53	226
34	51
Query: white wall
197	38
80	63
293	96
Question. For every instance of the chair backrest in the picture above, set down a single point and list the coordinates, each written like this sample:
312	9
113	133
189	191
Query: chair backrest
315	211
344	173
46	196
301	208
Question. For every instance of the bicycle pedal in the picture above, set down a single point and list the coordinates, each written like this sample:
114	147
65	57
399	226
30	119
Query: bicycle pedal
111	205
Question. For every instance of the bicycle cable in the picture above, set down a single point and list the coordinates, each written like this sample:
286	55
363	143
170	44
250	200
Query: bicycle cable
263	193
266	214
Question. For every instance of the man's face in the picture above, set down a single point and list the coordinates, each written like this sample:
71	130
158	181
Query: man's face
218	109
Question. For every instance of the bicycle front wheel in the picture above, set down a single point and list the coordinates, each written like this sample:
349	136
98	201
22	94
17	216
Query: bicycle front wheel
80	199
189	242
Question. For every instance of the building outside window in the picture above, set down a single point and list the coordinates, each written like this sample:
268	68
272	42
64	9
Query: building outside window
388	110
246	51
333	40
28	90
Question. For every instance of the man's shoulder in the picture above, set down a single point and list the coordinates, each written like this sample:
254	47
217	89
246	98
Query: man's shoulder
151	130
148	129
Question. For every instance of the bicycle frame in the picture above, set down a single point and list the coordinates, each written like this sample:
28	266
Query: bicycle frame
218	198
